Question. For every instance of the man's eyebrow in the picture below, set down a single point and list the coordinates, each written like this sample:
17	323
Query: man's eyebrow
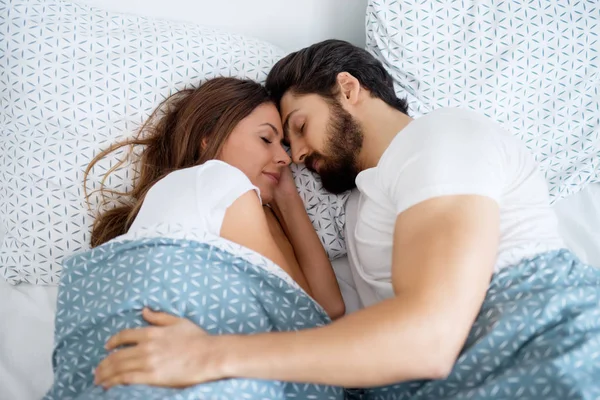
286	125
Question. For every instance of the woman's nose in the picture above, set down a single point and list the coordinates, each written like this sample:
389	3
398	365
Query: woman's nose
282	157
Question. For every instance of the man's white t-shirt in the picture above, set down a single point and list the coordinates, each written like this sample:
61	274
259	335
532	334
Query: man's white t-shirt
195	198
447	152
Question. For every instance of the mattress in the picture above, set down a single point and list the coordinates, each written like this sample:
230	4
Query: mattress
27	311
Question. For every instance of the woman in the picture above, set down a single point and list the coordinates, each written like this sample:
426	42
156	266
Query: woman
214	182
232	121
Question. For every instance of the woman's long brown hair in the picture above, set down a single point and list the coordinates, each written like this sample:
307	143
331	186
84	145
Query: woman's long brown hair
187	129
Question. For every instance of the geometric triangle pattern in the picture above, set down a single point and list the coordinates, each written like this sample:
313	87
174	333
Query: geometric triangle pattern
104	290
537	336
75	79
533	66
326	211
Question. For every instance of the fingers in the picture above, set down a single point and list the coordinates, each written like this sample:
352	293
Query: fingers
136	335
128	378
128	360
129	337
159	318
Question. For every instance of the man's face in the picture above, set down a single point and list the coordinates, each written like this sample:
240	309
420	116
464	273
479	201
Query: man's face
323	136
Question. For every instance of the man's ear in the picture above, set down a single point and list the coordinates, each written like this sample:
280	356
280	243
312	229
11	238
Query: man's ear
349	88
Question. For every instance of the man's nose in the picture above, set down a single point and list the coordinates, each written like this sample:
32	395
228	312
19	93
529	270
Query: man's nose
299	152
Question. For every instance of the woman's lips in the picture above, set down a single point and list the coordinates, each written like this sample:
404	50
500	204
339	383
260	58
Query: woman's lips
274	176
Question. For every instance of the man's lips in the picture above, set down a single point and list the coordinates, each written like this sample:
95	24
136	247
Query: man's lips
315	165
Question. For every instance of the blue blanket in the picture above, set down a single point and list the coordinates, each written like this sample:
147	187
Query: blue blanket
536	337
103	291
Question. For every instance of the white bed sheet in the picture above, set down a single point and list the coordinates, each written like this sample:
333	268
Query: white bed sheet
27	311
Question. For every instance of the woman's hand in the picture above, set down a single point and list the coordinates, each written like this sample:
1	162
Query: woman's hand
174	352
285	188
312	259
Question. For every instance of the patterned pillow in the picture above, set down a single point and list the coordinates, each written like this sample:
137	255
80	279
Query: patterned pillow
533	66
76	79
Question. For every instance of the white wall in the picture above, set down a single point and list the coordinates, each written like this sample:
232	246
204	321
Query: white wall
288	24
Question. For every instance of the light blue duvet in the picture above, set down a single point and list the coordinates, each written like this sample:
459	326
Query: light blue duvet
104	290
537	335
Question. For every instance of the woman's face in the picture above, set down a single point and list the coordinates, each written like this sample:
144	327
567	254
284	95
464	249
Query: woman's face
254	146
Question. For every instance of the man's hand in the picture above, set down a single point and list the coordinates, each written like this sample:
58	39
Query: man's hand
174	352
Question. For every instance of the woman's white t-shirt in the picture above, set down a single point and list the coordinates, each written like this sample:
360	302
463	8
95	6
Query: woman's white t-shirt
195	198
447	152
190	204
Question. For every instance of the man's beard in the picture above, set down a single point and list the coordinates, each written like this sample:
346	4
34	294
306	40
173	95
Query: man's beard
339	164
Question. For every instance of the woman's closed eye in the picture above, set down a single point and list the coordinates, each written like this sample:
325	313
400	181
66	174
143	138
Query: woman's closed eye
266	140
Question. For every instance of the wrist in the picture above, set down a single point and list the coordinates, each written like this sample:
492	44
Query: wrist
288	200
246	356
226	356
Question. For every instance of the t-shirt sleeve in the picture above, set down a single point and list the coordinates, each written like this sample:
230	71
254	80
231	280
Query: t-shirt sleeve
447	157
218	185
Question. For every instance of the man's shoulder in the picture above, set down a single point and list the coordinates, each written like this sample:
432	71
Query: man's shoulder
448	117
445	135
448	127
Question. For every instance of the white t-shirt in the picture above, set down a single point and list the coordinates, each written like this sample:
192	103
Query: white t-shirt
447	152
190	204
195	197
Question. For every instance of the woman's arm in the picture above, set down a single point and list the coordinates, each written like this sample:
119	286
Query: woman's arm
245	224
309	251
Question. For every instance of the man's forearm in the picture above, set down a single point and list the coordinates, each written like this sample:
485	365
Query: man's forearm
367	348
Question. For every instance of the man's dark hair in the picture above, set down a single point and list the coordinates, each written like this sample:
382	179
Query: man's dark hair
314	69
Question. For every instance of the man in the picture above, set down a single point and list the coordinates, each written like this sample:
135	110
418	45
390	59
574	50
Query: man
445	176
453	245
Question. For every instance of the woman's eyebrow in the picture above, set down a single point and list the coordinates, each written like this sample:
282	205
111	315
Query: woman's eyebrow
272	127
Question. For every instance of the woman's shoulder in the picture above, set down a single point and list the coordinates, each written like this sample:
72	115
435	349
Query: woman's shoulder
195	195
215	167
219	176
215	164
210	185
212	174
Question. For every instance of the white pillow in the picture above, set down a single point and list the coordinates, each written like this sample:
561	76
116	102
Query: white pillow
76	79
532	66
326	211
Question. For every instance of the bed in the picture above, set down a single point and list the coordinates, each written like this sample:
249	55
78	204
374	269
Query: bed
27	310
26	336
